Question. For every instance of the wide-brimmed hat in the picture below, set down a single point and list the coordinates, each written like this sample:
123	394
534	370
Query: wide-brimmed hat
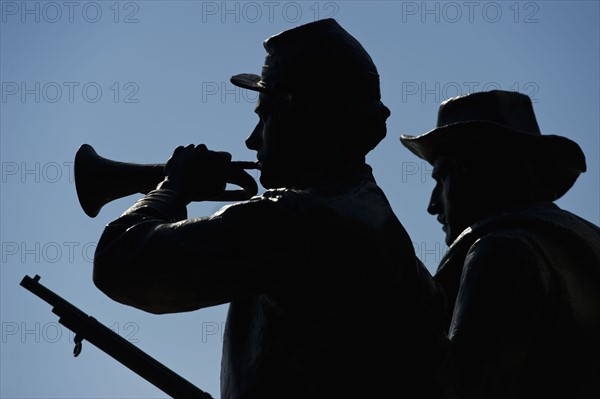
501	123
319	58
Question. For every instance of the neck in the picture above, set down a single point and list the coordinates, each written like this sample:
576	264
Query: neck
332	171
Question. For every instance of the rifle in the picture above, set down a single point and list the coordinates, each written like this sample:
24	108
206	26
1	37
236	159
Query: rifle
86	327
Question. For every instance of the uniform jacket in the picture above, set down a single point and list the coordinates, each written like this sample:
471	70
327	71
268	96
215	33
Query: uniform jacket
525	288
326	297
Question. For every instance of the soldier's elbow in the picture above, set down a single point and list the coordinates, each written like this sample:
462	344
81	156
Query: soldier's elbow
106	279
115	284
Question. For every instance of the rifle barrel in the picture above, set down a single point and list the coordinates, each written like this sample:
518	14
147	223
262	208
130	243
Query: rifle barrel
87	327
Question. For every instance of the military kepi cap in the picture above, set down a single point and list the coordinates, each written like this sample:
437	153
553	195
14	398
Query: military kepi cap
320	58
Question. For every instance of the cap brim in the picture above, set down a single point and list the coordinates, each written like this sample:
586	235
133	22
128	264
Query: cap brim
248	81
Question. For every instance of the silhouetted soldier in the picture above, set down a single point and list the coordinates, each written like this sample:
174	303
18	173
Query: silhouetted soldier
327	298
522	274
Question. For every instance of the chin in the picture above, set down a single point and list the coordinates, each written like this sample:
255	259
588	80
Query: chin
277	177
450	234
453	233
449	239
269	181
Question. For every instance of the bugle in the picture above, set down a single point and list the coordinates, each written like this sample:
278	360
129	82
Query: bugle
99	181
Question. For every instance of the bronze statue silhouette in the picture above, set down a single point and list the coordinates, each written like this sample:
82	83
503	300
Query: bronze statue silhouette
522	275
326	296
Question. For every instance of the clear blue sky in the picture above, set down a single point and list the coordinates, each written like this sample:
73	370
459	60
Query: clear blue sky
136	79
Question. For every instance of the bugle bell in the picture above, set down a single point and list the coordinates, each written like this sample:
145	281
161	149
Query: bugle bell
99	181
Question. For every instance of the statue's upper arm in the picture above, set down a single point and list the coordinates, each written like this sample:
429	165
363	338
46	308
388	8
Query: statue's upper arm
501	297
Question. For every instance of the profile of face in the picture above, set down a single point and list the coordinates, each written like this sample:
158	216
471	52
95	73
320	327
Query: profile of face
458	199
278	141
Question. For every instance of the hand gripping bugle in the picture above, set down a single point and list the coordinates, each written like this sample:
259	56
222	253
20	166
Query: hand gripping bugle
99	180
86	327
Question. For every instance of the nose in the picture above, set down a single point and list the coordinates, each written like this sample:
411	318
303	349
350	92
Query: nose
253	142
435	203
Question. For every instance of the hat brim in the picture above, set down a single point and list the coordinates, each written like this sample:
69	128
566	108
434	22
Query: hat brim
485	135
564	158
249	81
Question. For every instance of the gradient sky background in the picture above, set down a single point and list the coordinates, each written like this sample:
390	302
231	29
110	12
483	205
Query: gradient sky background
136	79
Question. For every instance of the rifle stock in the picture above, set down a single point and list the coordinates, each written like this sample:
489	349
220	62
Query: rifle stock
86	327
